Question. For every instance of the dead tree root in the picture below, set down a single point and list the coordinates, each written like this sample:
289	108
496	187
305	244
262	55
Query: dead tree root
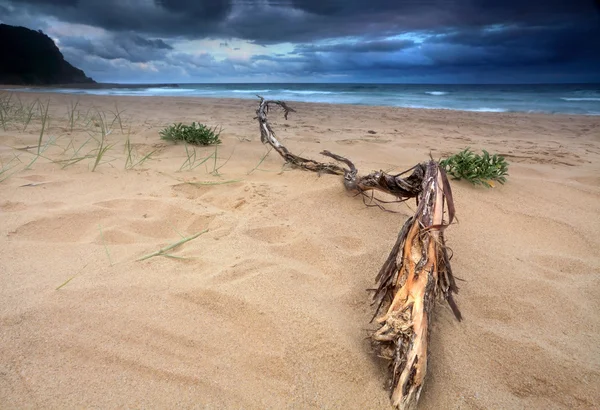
417	271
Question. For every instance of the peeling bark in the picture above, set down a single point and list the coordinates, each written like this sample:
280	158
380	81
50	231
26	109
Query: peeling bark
417	270
415	274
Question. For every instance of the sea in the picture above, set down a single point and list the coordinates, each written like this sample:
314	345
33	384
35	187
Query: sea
581	99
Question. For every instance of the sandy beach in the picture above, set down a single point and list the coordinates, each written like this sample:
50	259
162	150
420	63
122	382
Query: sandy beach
269	308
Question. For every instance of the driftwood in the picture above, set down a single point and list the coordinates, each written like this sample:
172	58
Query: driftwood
417	270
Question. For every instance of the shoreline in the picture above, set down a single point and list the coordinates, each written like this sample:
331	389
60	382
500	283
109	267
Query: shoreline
218	100
562	103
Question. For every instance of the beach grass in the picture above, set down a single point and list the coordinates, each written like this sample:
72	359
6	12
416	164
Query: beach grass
484	169
192	160
210	183
6	109
117	117
72	107
43	109
5	167
163	251
196	133
132	159
216	168
103	145
27	112
260	161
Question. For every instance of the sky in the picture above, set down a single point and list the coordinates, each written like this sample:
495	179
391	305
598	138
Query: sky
380	41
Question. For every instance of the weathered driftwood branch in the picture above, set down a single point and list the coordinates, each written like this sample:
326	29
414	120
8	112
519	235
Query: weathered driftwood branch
402	188
416	272
267	136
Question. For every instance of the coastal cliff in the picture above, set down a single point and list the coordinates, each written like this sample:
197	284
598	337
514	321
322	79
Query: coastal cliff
31	58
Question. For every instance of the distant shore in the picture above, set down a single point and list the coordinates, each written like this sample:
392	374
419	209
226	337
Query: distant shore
89	86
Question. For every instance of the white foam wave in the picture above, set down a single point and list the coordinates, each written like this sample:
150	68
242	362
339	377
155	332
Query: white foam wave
484	109
168	90
580	99
307	92
250	91
436	92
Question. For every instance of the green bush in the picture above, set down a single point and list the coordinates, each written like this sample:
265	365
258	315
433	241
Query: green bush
198	134
475	168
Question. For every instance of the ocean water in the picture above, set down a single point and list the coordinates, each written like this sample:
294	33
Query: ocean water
583	99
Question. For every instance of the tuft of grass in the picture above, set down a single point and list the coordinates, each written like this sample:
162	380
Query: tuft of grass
103	146
163	251
72	108
192	161
5	167
42	148
197	134
215	170
71	278
477	169
76	157
261	160
132	159
117	118
28	113
210	183
6	109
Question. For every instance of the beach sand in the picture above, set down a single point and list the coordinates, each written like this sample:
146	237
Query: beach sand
270	310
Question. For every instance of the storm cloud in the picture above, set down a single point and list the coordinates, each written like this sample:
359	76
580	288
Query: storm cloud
351	40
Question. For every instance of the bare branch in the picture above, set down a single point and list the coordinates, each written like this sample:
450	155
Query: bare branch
267	136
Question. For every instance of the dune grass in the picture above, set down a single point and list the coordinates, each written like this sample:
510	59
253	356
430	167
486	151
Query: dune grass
196	134
164	251
477	169
216	168
72	107
66	282
43	109
210	183
5	167
192	160
117	118
6	109
103	145
260	161
99	125
133	159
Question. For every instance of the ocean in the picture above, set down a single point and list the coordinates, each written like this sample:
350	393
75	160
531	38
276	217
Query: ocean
583	99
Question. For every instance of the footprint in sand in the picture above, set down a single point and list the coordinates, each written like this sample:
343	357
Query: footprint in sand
122	221
68	227
242	271
9	206
349	244
271	234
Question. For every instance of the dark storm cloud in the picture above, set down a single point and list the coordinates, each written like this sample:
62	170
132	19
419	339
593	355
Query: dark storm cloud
206	10
168	17
374	46
441	37
303	20
519	45
127	46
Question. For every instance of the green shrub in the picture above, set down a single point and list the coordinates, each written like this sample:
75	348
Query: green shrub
475	168
198	134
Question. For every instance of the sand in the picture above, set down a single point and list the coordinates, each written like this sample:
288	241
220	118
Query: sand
269	310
